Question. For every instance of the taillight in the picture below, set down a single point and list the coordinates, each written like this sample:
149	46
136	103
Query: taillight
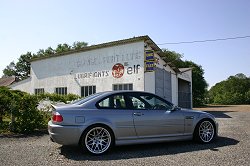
57	117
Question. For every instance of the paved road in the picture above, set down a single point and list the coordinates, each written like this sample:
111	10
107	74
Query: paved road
231	148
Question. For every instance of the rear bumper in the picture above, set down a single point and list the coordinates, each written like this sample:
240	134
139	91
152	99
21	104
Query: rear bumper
65	135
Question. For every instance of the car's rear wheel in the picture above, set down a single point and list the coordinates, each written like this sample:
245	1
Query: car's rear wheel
205	131
97	139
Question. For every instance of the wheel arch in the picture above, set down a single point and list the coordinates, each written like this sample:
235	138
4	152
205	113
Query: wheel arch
204	119
95	125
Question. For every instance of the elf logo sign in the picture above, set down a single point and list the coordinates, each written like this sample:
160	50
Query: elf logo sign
118	70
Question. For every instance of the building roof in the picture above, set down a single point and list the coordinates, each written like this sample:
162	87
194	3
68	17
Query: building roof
182	70
6	81
145	38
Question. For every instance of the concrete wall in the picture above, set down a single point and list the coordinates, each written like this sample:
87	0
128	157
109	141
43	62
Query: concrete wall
23	85
92	67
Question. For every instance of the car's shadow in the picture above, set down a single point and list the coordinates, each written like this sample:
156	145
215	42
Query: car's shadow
147	150
220	114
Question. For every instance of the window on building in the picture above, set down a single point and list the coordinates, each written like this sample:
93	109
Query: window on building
61	91
39	91
88	90
122	87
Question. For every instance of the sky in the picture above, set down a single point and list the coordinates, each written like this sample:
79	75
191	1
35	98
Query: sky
30	25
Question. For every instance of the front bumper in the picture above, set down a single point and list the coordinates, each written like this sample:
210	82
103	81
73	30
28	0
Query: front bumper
217	128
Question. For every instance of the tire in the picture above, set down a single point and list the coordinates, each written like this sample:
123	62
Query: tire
97	139
205	131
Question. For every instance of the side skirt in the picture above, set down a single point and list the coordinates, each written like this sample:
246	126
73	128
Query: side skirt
153	140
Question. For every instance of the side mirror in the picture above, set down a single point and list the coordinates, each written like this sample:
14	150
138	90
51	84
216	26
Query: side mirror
175	108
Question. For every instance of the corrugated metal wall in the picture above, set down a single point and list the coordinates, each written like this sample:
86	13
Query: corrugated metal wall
163	87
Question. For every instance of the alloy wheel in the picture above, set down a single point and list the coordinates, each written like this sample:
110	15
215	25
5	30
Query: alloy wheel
98	140
206	131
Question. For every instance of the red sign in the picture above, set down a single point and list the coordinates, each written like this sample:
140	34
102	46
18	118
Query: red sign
118	70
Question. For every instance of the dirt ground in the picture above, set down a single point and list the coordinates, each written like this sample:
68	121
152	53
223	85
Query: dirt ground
228	108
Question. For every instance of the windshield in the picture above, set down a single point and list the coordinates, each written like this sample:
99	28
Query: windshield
83	100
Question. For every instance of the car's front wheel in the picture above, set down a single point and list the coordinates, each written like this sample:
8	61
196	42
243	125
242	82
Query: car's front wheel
205	131
97	140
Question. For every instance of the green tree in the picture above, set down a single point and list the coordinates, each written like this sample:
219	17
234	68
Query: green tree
21	70
78	45
171	56
234	90
63	48
23	66
10	70
49	51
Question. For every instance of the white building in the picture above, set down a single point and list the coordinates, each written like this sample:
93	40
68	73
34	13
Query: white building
129	64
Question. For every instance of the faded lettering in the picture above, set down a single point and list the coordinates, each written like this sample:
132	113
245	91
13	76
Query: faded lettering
115	58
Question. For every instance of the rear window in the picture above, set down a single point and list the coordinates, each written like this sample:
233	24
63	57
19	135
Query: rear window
83	100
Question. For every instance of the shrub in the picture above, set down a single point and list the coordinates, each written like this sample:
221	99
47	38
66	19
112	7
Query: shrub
28	117
21	108
58	98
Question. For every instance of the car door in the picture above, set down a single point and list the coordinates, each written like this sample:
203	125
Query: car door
114	110
153	116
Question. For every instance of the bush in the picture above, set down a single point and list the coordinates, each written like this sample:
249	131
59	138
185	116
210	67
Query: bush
5	102
58	98
28	117
21	108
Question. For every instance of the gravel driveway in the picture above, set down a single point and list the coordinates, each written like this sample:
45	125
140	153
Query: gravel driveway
231	148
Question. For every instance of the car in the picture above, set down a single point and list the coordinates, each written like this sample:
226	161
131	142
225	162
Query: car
103	120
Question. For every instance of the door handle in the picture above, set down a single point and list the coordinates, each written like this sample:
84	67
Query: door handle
189	117
138	114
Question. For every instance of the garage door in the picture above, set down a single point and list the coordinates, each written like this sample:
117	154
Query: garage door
184	94
163	86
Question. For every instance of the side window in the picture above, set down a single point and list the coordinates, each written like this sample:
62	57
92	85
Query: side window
156	103
105	103
113	102
137	103
149	102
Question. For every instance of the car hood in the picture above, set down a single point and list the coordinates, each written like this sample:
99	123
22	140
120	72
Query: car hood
198	113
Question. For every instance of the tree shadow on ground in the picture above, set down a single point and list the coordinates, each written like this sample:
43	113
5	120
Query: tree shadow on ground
217	106
147	150
37	133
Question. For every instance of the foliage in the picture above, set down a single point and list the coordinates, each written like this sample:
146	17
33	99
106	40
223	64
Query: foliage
5	101
58	98
78	45
22	107
10	69
199	84
28	117
171	56
21	69
234	90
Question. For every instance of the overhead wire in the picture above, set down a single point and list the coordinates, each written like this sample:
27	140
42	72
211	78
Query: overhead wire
207	40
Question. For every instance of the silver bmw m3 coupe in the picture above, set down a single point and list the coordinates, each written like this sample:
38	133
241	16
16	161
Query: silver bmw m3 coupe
105	119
